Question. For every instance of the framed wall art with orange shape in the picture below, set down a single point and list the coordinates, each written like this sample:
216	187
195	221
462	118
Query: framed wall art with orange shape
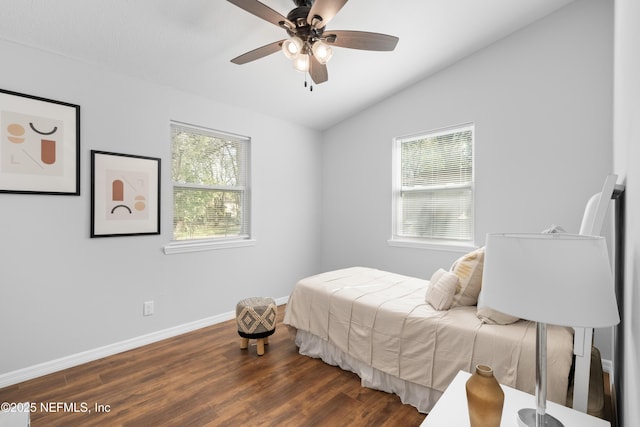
125	194
39	145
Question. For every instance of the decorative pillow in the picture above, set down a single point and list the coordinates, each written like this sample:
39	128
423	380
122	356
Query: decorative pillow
468	268
441	289
493	317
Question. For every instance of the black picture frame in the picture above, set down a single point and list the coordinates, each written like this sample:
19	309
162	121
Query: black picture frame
125	194
39	145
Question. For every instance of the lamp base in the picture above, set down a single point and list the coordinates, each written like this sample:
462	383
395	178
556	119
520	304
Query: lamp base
527	418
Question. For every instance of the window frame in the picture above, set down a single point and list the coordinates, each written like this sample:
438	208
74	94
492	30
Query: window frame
398	240
223	242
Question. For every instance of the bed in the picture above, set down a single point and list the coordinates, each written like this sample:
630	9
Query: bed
378	325
410	336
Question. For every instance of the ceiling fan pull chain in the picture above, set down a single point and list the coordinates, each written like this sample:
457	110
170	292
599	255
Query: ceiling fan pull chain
310	85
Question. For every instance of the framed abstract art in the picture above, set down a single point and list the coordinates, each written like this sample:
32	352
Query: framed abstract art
125	194
39	145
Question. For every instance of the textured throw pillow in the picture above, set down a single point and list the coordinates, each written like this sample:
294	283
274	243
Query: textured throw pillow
493	317
468	268
441	289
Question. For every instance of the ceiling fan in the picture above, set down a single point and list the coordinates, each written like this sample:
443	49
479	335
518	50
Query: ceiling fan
310	43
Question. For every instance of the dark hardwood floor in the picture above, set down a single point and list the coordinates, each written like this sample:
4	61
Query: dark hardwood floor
203	379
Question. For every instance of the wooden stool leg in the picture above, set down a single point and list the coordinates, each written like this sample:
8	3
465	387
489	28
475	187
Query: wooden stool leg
244	344
266	341
260	346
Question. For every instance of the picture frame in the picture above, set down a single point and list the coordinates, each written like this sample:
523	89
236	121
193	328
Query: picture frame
125	194
39	145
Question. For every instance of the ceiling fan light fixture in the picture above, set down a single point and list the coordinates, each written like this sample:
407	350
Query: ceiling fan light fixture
301	62
322	52
292	47
309	45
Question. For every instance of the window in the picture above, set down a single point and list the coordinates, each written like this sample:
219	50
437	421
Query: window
211	197
433	187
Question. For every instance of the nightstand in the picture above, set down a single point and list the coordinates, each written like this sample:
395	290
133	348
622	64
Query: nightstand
451	409
16	415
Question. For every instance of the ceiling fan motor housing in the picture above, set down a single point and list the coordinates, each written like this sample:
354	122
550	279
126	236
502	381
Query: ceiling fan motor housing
307	3
303	30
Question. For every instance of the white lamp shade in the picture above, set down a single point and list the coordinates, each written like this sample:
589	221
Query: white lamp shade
292	47
322	52
561	279
301	62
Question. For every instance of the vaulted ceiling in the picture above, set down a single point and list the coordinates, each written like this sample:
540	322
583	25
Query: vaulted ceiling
188	45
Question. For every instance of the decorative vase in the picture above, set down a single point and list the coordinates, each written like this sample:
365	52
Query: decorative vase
485	398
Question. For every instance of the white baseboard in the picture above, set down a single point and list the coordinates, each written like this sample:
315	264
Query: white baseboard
51	366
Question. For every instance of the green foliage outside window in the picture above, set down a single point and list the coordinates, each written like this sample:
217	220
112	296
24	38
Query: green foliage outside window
208	185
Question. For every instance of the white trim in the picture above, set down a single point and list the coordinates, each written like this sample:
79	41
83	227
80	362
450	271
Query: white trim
212	132
178	247
446	246
438	132
607	366
31	372
397	189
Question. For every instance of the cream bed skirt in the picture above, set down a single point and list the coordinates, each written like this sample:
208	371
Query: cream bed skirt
419	396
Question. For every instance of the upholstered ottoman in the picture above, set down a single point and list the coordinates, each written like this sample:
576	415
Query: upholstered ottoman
256	319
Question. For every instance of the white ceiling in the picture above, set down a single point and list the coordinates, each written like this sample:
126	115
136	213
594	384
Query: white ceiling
188	44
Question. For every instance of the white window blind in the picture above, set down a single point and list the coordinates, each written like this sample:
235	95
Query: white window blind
433	186
210	172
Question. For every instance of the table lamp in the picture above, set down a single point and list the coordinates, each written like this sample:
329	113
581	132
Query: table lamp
561	279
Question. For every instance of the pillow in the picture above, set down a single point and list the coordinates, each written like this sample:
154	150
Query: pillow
441	289
493	317
468	268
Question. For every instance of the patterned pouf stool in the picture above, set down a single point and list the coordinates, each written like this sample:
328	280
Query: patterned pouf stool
256	319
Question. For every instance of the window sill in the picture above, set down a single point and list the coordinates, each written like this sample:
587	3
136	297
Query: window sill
462	247
180	247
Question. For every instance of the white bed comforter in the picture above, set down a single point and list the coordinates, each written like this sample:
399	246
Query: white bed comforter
382	319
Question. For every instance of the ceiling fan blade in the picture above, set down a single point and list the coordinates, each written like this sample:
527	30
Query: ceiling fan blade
361	40
263	11
325	9
318	71
258	53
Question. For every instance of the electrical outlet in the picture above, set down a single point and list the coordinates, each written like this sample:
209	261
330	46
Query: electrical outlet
147	308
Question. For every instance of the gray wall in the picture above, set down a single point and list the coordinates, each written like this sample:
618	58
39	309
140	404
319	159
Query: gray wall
626	155
541	100
64	293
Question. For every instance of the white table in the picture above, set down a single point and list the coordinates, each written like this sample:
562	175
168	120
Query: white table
15	416
452	410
